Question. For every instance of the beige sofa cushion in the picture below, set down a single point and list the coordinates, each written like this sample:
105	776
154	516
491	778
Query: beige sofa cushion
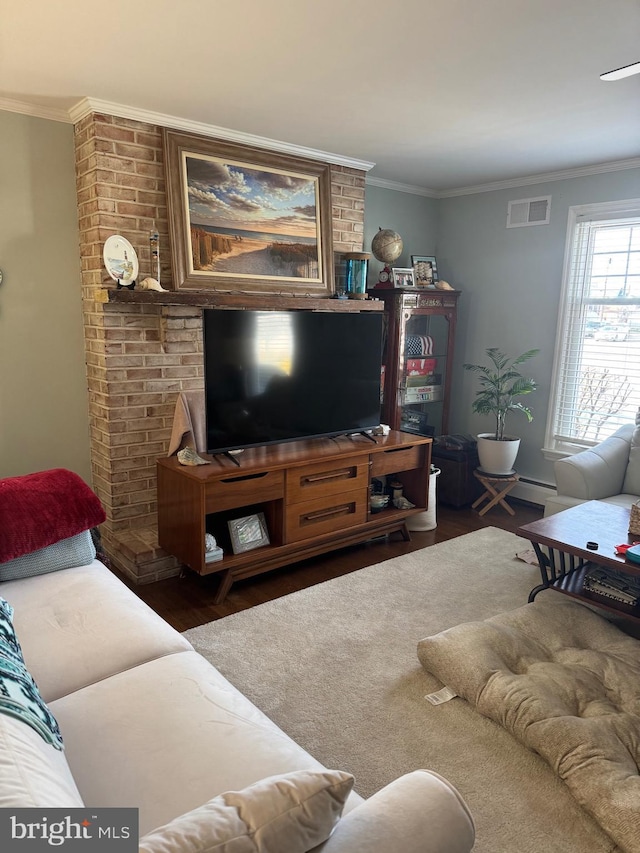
33	773
168	736
83	624
292	812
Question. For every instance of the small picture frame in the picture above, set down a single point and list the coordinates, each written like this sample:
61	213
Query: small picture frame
403	277
425	269
248	533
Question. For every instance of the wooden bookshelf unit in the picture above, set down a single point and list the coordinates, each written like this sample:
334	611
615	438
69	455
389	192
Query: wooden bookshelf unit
314	495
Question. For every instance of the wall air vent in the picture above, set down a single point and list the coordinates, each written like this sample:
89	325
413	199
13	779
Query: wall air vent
529	211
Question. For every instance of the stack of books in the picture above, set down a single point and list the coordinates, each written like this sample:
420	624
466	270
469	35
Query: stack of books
428	389
612	584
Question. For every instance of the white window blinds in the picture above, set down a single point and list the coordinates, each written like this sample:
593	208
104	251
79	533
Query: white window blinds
597	366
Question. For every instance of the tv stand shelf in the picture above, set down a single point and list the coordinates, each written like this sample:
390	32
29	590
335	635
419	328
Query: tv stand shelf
314	495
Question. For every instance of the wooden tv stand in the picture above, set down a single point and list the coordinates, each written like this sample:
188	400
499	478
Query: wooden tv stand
314	495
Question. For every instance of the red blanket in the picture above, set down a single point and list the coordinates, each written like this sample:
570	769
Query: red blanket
37	510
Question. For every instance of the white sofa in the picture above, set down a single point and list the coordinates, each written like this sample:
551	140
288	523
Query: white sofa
149	723
609	472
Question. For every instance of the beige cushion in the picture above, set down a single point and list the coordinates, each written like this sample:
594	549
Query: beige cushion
564	681
421	808
168	736
33	773
83	624
293	813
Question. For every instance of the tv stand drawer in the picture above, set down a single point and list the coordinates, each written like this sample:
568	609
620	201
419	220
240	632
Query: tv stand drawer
327	478
325	515
397	459
240	490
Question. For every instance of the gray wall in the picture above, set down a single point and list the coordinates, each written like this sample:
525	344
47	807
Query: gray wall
510	281
43	393
412	216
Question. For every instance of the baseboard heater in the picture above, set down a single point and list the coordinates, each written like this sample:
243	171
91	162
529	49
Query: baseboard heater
532	491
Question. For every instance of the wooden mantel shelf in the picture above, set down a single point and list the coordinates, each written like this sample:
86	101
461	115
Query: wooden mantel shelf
216	299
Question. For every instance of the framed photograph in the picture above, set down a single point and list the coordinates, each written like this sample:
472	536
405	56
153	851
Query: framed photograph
248	220
426	270
402	277
248	533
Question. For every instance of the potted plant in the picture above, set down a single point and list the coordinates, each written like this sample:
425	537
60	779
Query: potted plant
500	385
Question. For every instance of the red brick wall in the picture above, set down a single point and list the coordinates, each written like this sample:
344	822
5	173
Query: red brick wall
140	357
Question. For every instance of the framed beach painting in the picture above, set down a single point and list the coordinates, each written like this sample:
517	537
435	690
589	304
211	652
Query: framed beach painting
244	219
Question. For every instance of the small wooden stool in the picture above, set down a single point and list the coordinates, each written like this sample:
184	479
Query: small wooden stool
494	494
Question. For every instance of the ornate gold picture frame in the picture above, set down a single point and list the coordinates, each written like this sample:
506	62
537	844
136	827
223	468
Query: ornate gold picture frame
247	219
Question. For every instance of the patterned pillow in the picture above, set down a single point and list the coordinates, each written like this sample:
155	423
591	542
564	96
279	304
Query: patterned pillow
19	695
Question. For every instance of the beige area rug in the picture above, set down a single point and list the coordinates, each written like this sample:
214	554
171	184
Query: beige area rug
336	667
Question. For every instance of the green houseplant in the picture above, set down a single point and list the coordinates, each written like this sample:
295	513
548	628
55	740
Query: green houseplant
500	384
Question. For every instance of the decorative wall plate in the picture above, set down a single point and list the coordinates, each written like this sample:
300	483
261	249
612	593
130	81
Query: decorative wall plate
120	259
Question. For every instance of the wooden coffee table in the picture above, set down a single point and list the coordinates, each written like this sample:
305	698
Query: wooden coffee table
565	560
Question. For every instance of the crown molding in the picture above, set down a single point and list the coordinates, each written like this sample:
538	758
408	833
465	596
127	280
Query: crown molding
401	188
92	105
35	110
579	172
88	105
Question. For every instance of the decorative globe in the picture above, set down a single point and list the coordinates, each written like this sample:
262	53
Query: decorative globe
387	245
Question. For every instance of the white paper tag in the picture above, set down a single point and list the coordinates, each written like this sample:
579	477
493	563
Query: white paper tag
441	696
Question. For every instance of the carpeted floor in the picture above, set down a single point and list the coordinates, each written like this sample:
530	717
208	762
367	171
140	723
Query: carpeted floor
335	666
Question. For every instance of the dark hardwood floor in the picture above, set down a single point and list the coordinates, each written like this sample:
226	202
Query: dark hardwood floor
189	600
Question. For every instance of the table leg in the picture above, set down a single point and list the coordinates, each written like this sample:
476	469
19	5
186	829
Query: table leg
225	585
543	563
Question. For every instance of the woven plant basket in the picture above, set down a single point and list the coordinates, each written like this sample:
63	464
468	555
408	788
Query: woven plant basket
634	519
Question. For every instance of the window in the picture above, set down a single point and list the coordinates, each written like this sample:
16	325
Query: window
596	377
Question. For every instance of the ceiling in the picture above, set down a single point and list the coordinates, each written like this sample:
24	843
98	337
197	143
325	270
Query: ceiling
439	94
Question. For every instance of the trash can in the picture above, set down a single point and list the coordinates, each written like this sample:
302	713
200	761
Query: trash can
427	520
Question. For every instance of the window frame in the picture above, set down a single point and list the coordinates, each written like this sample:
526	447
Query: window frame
624	209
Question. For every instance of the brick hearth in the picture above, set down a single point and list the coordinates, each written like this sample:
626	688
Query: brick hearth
140	357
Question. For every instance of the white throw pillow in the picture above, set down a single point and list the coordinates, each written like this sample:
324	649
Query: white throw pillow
293	812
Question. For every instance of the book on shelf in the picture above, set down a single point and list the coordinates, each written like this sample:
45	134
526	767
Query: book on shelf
422	394
420	366
423	381
612	584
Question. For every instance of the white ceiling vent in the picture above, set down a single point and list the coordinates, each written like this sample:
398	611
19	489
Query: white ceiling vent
529	211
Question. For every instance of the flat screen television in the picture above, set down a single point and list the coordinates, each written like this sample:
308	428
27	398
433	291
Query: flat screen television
274	376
